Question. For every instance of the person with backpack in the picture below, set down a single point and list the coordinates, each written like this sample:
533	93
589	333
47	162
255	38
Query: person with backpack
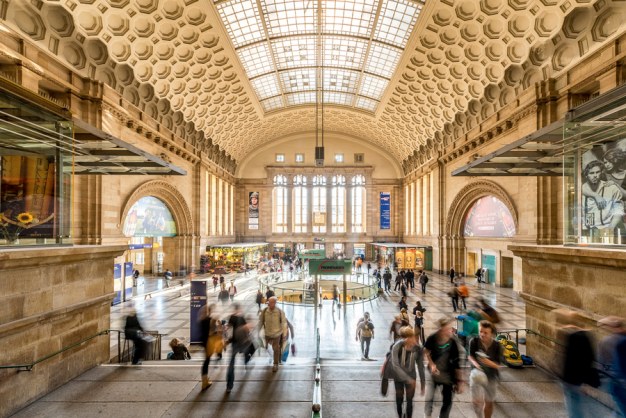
406	353
365	333
463	294
273	320
423	281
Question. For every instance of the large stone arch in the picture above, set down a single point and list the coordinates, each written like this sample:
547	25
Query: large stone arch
465	198
172	198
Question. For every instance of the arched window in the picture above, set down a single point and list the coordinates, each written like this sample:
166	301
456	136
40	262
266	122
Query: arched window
338	201
300	204
280	203
489	217
319	204
358	203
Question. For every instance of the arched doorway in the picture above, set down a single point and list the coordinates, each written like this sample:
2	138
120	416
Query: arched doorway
480	223
157	219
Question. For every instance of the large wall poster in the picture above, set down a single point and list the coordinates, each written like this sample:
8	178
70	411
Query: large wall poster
385	210
603	189
149	217
253	210
489	217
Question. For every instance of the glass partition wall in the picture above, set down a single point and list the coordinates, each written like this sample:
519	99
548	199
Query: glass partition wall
36	149
595	171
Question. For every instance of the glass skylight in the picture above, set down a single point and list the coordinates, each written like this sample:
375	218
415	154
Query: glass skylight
361	43
256	59
302	79
372	86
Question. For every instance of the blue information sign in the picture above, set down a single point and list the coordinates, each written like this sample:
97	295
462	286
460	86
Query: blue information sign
385	210
117	284
128	280
197	301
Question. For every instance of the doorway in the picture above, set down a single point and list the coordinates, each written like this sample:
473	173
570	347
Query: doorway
507	272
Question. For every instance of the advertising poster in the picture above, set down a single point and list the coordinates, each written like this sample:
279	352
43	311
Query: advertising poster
198	299
400	259
253	210
149	217
385	210
603	180
489	217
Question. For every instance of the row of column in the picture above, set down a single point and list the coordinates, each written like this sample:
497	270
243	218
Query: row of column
419	206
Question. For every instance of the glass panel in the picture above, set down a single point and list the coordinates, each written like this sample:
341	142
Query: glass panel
396	21
344	52
382	60
266	86
290	17
367	104
35	175
595	178
298	80
340	80
296	51
272	104
372	86
338	98
350	17
256	59
300	98
242	21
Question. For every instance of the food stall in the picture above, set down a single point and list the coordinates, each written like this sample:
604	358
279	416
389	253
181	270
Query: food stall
406	256
233	257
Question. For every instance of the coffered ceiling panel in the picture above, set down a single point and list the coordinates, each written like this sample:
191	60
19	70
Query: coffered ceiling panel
241	73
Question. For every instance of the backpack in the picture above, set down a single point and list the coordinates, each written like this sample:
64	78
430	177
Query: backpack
425	279
279	316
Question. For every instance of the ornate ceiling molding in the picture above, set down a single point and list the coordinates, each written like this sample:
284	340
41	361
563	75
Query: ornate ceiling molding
173	59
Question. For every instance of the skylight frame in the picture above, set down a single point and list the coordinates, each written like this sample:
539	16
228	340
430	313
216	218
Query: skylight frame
277	43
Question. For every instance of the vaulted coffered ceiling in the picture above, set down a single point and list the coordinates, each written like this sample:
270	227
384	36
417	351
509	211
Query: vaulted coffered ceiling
176	60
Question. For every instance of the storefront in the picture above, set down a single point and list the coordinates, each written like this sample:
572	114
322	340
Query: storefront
232	257
403	256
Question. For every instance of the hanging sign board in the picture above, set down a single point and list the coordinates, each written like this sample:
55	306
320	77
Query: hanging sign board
330	267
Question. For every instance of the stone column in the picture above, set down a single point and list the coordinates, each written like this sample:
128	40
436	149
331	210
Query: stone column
348	211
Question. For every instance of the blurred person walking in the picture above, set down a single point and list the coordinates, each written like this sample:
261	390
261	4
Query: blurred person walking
365	333
406	353
240	342
273	320
576	363
212	340
484	356
444	363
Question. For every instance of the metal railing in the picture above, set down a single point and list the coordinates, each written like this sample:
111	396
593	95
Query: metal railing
29	366
123	351
316	407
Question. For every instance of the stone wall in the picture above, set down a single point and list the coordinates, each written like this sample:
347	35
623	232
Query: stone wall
588	281
51	298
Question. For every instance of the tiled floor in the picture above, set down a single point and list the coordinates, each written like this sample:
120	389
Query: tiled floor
350	387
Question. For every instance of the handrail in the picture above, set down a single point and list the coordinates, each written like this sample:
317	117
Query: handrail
29	366
528	332
316	407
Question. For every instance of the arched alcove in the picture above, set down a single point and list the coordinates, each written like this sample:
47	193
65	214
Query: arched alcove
171	197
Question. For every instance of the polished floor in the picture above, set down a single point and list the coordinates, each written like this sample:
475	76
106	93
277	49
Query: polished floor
350	387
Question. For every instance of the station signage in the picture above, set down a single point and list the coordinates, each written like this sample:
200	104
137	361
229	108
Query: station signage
330	267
